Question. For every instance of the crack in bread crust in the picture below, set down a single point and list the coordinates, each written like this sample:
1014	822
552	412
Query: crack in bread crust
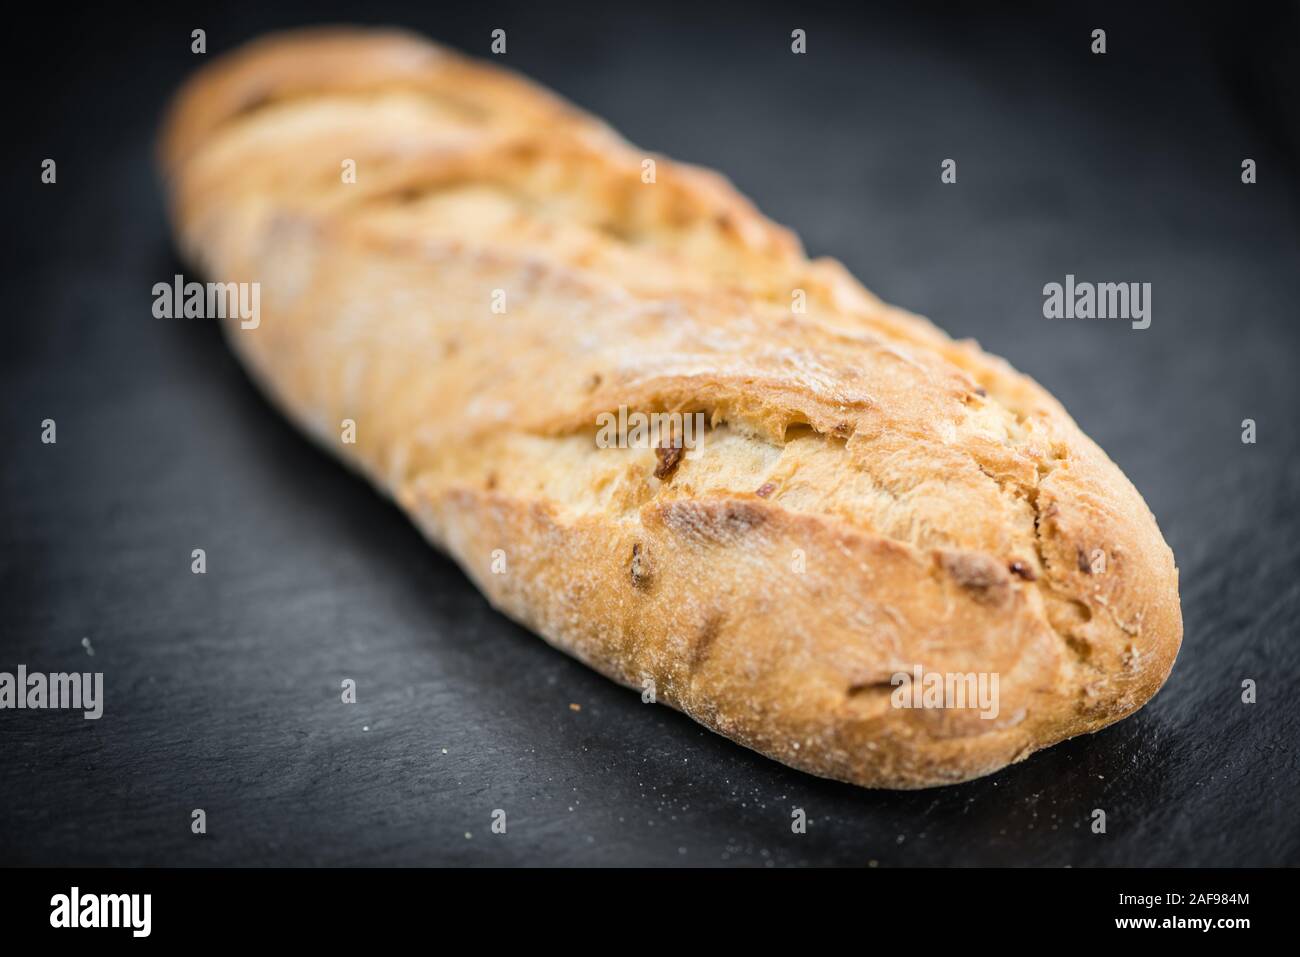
869	495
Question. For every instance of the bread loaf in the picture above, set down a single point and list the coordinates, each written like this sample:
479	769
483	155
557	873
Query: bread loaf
464	280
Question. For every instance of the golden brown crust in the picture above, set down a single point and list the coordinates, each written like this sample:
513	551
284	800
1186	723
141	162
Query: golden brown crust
870	497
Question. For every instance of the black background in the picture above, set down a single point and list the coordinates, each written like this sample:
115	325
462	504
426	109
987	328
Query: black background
223	690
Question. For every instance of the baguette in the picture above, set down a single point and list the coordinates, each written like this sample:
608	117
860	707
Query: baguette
869	497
